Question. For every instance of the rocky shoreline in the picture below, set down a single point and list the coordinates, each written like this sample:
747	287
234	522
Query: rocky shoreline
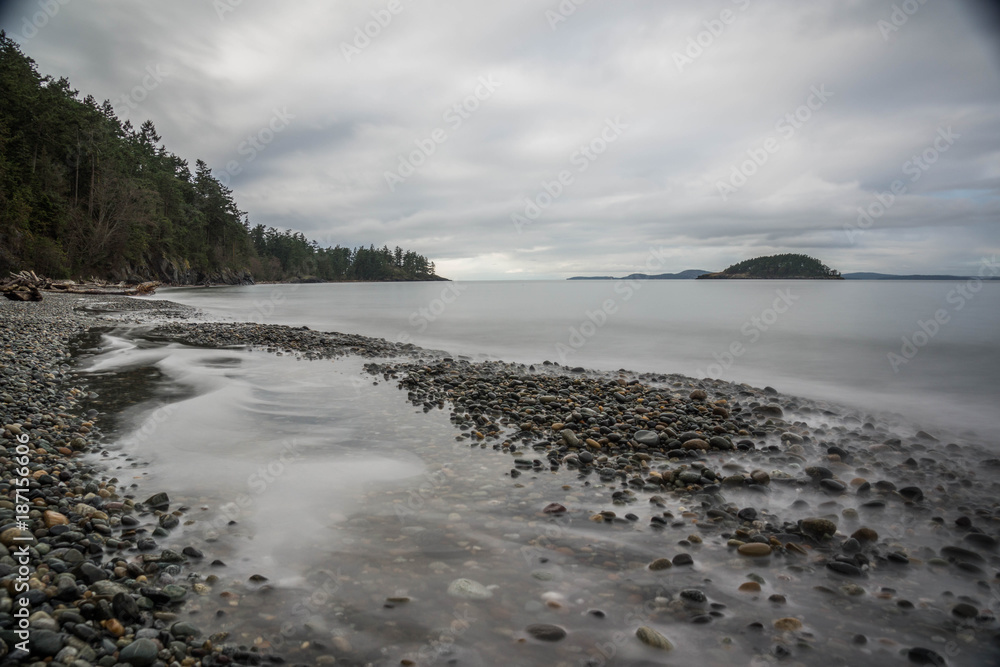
102	591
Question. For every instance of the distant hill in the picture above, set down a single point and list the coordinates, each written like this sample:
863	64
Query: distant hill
689	274
888	276
84	194
692	274
779	267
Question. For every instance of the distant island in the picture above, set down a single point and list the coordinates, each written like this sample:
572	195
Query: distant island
778	267
690	274
781	267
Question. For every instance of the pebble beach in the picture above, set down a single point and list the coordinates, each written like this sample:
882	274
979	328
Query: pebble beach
621	518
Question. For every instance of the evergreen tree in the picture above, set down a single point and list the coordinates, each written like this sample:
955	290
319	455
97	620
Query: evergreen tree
84	194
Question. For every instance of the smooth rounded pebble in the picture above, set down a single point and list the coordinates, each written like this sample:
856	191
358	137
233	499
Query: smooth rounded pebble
755	549
545	632
469	590
651	637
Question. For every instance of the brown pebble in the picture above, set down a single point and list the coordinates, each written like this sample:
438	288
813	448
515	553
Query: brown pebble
865	534
695	443
54	519
795	548
755	549
750	587
788	624
114	626
651	637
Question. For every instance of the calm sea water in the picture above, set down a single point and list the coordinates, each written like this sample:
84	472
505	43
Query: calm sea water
926	350
362	510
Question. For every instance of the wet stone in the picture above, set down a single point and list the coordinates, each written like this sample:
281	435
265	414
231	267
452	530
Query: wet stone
693	595
545	632
192	552
833	485
788	624
981	540
125	607
845	569
91	574
650	438
818	526
158	501
961	554
964	610
652	638
140	653
184	630
754	549
469	590
865	534
925	656
683	559
45	643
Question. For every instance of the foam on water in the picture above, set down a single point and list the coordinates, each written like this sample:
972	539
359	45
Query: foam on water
832	341
349	500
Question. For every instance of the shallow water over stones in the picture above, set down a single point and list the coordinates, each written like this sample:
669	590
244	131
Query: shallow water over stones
342	519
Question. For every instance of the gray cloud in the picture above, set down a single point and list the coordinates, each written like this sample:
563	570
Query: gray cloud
689	123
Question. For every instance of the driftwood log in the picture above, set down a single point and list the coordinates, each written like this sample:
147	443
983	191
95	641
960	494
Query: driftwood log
28	286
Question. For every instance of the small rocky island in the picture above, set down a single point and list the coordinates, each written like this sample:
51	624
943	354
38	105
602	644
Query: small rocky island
778	267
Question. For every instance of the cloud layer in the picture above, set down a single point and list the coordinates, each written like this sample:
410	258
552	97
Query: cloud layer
533	139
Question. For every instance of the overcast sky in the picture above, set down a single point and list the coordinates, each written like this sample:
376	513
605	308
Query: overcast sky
712	131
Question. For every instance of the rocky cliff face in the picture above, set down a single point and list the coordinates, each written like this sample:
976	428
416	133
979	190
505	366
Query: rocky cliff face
179	272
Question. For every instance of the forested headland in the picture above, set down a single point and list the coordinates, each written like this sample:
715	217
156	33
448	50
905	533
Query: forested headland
83	194
787	266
